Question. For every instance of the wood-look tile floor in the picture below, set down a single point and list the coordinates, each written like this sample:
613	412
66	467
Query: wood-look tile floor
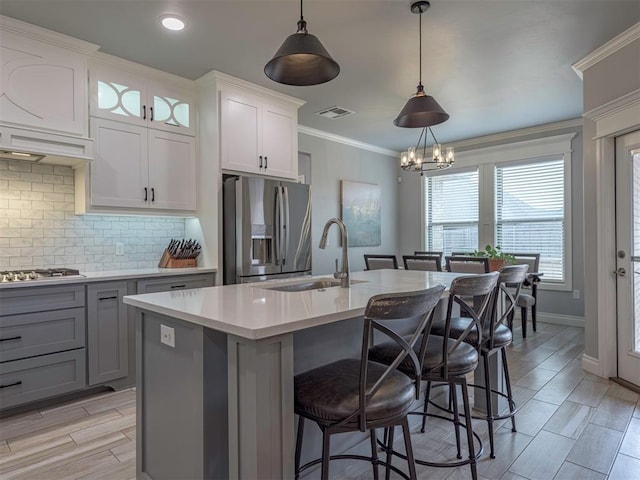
571	425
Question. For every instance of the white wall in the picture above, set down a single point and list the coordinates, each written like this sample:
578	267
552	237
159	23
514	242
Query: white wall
38	227
331	162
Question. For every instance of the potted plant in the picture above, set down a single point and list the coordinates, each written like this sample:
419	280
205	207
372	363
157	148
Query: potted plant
497	258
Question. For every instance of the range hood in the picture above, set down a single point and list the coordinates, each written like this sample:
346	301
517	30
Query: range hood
17	143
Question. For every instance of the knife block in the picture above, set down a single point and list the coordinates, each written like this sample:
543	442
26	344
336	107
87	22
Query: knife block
167	261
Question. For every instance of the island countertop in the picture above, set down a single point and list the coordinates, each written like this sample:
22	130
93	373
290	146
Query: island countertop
255	311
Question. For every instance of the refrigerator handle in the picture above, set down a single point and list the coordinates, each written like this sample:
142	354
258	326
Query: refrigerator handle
281	220
277	218
286	224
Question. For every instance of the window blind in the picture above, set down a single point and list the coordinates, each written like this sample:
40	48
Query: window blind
451	212
530	213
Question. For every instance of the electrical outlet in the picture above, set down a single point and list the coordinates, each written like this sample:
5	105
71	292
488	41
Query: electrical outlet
119	248
576	294
167	336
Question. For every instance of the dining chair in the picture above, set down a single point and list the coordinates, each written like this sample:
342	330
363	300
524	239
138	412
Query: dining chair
448	360
462	264
424	252
427	263
526	300
352	395
379	261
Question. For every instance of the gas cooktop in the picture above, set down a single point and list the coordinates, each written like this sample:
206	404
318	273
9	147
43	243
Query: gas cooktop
26	275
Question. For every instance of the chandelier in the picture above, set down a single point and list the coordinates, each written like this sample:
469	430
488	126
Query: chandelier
416	159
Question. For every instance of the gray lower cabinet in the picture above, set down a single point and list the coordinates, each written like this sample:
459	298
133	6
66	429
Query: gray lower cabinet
107	332
31	379
42	343
166	284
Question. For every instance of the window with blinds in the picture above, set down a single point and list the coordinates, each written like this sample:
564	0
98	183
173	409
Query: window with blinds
530	213
451	212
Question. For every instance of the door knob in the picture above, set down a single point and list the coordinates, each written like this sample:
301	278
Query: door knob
621	272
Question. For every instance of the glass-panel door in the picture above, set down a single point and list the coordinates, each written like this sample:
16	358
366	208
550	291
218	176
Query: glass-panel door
628	255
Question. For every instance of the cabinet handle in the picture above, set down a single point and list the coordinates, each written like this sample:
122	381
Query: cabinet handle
151	113
144	112
265	162
260	161
10	338
19	382
173	287
145	194
115	297
153	194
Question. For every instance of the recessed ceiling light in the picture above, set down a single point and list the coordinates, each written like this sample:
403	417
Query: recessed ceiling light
172	22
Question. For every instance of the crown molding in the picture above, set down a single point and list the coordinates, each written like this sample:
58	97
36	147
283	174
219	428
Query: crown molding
8	24
617	115
609	48
516	135
139	69
220	79
346	141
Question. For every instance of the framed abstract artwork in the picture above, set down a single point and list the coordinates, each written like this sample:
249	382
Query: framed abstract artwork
361	213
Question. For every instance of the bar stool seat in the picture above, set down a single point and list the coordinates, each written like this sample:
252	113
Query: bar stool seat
501	337
463	359
330	393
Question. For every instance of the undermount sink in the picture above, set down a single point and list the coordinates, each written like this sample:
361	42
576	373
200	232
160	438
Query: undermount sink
310	285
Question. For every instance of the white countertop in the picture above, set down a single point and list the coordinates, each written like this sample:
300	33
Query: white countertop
253	311
109	275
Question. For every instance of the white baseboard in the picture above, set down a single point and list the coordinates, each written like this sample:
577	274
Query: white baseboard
591	365
555	318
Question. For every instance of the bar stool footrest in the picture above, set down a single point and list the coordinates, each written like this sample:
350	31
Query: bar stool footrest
355	457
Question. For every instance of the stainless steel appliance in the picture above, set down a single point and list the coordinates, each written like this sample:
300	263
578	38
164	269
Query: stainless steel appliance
266	229
38	274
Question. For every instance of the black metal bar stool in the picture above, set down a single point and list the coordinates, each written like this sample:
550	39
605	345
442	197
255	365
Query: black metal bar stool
448	360
495	338
359	395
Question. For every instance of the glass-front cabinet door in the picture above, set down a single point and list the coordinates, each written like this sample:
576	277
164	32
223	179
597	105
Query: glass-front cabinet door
123	97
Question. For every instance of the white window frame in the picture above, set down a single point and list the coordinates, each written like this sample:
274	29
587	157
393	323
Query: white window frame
515	153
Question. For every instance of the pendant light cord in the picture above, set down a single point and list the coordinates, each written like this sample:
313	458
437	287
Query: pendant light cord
420	43
301	17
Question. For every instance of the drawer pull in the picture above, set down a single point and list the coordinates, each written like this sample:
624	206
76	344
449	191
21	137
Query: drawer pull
10	338
115	297
173	287
19	382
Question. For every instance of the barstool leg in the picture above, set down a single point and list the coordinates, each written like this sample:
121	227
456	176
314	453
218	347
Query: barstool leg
374	453
507	380
487	393
326	451
387	474
453	395
409	448
299	445
523	314
467	417
426	407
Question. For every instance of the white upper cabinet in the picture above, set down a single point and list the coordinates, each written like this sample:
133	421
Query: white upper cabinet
141	168
43	79
258	133
159	103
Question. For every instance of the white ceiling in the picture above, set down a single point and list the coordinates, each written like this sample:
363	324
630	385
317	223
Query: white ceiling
494	65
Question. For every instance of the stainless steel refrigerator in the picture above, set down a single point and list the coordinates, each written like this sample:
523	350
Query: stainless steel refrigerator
266	229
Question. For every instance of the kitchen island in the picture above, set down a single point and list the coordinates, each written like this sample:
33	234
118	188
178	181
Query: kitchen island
215	368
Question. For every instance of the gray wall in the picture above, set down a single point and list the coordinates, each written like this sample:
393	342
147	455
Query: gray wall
410	213
330	163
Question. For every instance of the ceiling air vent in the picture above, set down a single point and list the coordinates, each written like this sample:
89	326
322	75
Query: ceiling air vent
334	112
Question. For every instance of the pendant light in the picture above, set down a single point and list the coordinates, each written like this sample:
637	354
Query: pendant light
421	110
301	60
